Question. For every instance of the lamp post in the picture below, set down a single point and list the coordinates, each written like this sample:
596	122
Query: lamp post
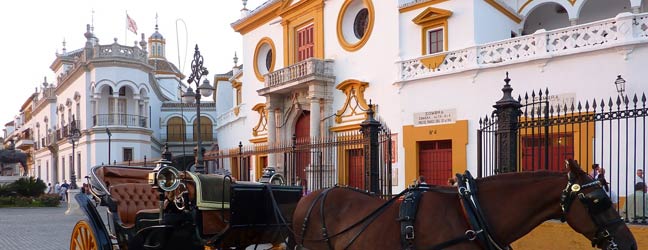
109	135
197	72
73	138
619	83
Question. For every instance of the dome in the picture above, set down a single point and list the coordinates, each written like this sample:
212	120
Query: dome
156	35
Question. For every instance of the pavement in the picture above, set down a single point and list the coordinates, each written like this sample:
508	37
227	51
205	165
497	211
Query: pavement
36	228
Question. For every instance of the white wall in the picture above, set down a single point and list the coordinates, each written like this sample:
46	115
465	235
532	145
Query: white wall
486	17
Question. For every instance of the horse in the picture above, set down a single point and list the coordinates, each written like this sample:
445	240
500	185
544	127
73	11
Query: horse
512	205
14	156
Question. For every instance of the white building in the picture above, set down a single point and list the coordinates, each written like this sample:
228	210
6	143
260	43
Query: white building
126	104
304	58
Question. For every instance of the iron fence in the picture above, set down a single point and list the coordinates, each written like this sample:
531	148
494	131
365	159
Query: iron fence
315	163
545	130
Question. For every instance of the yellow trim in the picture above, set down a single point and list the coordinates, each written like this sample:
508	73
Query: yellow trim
457	132
432	18
298	16
420	5
265	40
433	62
572	2
340	35
259	140
260	108
257	19
443	24
344	128
504	11
347	87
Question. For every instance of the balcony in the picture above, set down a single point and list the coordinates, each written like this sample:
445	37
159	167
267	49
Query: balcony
125	120
24	140
296	75
624	30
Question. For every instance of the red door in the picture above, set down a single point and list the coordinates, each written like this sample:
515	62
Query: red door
435	161
561	147
305	43
302	133
356	168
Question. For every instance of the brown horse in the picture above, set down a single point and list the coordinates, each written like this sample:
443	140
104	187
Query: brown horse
513	204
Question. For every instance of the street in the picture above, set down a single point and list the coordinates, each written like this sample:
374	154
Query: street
36	228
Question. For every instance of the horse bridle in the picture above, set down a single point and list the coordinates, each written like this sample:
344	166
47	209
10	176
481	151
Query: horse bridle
596	202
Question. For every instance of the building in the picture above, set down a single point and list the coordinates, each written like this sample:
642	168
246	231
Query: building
125	102
432	67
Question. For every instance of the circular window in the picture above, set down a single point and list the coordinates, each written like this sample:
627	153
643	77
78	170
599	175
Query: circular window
354	24
360	23
268	60
264	58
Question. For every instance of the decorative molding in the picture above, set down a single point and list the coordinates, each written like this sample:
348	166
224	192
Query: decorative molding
340	30
430	15
355	105
405	8
430	19
572	2
262	124
257	18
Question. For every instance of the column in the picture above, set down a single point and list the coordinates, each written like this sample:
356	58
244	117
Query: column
315	116
272	133
115	113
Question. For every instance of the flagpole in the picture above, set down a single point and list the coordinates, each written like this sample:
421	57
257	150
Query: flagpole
126	28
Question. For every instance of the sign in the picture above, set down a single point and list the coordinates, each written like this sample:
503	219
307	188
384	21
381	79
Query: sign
555	100
435	117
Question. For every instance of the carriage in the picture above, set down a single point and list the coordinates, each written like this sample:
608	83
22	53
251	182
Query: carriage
163	208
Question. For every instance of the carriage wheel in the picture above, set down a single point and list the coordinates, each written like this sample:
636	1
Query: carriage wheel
83	237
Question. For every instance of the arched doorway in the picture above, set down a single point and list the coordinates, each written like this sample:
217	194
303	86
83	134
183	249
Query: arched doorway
548	16
302	153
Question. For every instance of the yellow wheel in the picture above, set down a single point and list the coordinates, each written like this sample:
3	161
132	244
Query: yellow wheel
82	237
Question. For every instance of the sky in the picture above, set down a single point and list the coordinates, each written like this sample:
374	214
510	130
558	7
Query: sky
33	30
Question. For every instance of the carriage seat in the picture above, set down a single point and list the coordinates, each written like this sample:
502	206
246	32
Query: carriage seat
113	175
135	200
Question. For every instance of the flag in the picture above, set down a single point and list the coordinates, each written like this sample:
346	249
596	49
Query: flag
132	26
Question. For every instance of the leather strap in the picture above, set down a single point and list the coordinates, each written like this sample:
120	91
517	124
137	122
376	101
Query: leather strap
407	216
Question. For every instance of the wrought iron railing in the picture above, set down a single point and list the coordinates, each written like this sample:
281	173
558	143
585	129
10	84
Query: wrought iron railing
120	120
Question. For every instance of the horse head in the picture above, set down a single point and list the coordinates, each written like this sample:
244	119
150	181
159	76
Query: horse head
589	211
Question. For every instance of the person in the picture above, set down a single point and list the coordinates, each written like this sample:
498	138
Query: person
48	189
421	180
595	170
57	188
640	176
64	187
636	207
451	181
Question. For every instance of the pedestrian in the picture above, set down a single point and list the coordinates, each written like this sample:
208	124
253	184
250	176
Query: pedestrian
635	207
452	181
595	170
64	188
640	176
48	189
57	188
421	180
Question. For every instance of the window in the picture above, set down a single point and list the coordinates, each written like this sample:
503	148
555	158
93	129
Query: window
176	129
205	129
305	43
435	41
360	23
268	60
78	166
128	154
239	97
63	167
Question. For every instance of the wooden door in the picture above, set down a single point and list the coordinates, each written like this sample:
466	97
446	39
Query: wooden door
356	169
534	148
305	43
435	161
302	133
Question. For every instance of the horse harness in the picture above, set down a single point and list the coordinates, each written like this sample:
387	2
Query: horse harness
467	190
596	202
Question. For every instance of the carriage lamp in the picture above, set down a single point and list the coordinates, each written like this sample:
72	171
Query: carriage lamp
165	177
619	83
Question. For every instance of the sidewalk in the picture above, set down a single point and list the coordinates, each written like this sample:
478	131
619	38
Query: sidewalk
36	228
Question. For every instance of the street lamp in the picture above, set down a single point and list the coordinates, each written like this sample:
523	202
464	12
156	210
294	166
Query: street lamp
73	138
109	135
619	83
197	72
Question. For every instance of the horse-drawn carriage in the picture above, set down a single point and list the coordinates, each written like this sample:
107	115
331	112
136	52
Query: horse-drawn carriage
164	208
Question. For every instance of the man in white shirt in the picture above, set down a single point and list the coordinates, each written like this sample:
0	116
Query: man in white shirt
636	205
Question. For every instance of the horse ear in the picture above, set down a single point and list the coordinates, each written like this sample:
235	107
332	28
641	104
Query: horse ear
572	166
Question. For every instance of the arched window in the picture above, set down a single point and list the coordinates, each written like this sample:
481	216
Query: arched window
176	129
205	129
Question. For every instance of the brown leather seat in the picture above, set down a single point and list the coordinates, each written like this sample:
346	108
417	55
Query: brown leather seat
114	175
134	198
